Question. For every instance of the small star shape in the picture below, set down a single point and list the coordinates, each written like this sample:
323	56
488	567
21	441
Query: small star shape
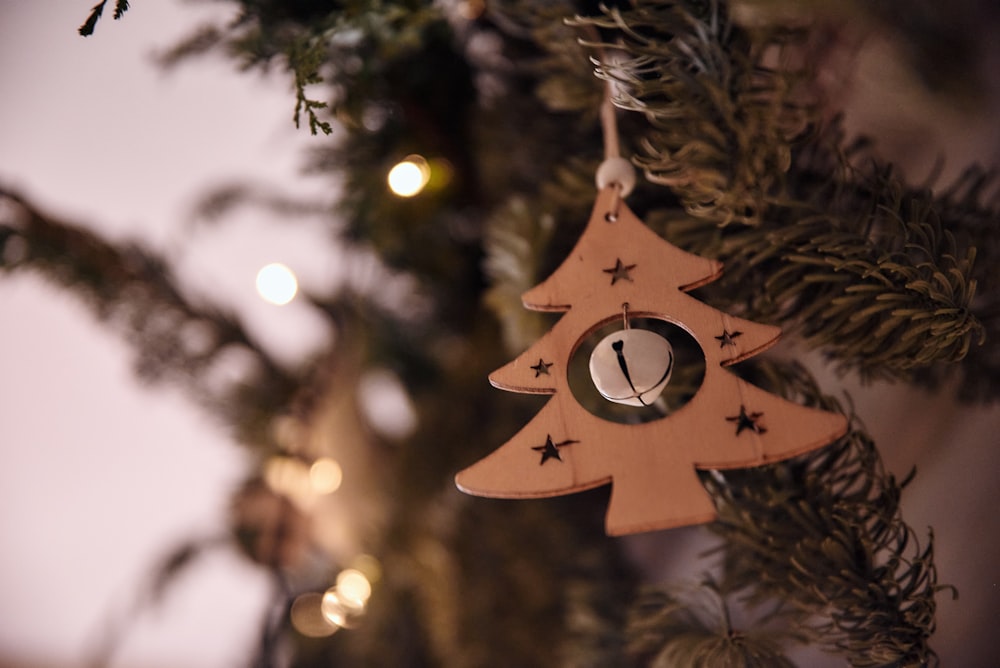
727	338
542	368
550	450
620	272
747	421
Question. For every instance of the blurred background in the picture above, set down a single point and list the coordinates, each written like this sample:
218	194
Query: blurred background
102	475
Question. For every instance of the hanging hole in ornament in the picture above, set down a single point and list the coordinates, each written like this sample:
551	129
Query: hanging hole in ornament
640	373
612	215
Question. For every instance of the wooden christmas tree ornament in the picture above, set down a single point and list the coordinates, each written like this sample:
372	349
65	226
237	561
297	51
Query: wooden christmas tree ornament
619	265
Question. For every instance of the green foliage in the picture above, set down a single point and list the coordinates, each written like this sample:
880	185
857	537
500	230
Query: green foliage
721	122
884	278
304	60
690	627
880	276
515	239
823	535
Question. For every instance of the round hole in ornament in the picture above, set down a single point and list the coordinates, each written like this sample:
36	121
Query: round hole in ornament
636	374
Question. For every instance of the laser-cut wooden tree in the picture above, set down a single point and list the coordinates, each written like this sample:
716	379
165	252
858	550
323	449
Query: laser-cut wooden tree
729	423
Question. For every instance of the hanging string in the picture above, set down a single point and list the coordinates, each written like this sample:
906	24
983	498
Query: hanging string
615	171
609	122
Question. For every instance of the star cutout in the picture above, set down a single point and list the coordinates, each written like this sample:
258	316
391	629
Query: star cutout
550	450
727	338
747	421
542	368
620	272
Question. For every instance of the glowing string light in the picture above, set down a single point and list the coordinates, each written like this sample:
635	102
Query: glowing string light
408	177
308	619
276	284
325	476
353	588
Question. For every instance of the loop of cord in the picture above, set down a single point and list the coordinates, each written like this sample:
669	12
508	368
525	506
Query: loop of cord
615	171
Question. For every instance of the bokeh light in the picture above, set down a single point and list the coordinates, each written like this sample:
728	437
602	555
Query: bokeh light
338	611
353	588
276	284
369	566
325	476
308	618
409	176
301	482
286	475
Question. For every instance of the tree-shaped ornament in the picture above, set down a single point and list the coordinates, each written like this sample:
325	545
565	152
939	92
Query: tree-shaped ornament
619	265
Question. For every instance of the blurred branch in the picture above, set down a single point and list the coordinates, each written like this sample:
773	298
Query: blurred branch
177	562
173	336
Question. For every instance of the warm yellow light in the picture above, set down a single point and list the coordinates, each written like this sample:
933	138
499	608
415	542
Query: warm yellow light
325	476
353	588
408	178
277	284
369	566
337	611
287	476
308	619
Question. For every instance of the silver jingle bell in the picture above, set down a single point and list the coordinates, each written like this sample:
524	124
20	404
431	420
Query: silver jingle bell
632	366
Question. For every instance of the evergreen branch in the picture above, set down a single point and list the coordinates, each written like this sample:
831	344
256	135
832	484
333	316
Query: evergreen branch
201	41
304	60
88	26
721	123
518	244
133	289
87	29
121	6
691	627
823	535
165	574
881	277
513	243
227	197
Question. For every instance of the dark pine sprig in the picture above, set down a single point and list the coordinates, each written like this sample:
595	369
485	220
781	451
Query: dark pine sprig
823	535
817	236
87	29
304	60
880	276
721	120
692	627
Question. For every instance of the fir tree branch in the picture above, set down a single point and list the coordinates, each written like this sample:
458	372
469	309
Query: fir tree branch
514	241
824	535
881	277
691	627
87	29
819	237
721	122
304	60
172	566
88	26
